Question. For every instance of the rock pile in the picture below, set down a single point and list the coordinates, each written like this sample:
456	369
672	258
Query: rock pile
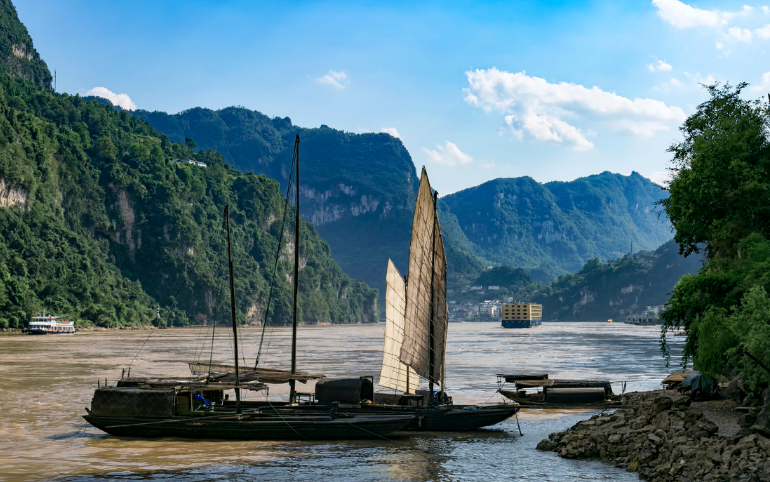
661	436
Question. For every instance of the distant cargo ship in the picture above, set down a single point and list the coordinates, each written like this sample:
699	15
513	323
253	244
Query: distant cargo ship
521	315
50	325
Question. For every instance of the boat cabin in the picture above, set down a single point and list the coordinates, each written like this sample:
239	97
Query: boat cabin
47	324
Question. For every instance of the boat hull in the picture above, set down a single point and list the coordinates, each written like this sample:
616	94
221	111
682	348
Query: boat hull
252	428
442	418
460	418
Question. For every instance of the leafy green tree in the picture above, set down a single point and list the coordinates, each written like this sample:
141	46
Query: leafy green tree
719	201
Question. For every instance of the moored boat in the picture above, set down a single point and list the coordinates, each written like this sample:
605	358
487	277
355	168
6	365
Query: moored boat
416	318
49	325
198	407
539	391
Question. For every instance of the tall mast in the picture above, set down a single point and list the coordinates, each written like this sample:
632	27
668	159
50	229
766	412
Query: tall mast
431	352
232	306
292	382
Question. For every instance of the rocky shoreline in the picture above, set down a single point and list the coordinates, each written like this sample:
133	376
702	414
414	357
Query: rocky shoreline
664	437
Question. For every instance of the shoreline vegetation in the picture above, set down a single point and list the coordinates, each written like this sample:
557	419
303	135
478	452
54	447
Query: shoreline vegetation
665	436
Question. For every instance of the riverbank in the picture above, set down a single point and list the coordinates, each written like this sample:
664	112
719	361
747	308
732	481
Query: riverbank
664	437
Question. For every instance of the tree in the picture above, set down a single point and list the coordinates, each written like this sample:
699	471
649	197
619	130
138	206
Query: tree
190	143
720	191
720	201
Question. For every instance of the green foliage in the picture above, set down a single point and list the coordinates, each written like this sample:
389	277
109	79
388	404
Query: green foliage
616	288
719	197
111	226
18	56
504	276
555	228
719	193
358	189
728	341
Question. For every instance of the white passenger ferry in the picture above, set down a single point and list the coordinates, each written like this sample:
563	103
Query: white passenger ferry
50	325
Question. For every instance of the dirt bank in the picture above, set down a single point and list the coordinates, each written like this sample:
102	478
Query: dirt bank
664	437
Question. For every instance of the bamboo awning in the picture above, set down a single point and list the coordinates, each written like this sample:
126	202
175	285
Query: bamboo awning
225	373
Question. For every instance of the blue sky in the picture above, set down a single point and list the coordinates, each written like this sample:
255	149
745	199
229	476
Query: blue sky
476	91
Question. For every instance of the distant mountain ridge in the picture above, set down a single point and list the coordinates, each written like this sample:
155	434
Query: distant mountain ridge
359	189
618	288
554	228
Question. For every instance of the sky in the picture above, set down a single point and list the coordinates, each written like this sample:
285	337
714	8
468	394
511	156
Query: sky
475	90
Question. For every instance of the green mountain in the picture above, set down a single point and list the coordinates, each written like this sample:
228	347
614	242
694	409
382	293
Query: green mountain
615	289
102	219
18	56
555	228
358	190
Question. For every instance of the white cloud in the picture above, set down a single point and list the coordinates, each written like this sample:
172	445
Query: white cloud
765	85
336	79
659	66
536	108
763	33
122	100
447	155
739	34
719	45
676	82
681	15
765	9
392	131
661	178
707	80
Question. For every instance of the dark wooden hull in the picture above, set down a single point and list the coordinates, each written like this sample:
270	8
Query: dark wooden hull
538	402
460	418
443	418
254	428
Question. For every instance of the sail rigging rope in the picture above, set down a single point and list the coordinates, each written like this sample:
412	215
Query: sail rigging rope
184	282
277	258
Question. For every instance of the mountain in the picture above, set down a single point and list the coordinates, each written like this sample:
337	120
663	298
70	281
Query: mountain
18	56
103	219
554	228
615	289
358	190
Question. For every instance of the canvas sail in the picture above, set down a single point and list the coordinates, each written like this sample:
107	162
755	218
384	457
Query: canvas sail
395	374
426	290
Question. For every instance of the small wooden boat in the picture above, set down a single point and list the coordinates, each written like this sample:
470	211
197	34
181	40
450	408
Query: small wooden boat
539	391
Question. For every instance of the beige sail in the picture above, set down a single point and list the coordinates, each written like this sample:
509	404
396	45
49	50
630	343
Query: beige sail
426	286
395	374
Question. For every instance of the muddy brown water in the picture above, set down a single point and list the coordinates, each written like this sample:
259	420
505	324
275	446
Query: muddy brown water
46	381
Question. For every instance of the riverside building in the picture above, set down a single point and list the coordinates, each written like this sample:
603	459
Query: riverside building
521	315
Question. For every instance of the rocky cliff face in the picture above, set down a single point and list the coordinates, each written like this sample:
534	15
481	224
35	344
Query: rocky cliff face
18	56
358	190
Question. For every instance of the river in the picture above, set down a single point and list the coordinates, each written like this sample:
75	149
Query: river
46	381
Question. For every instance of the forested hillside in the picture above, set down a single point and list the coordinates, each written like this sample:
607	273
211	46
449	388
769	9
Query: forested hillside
617	288
18	56
358	190
99	221
555	228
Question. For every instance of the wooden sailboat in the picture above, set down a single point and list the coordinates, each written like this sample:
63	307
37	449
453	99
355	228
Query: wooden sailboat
416	331
196	407
415	342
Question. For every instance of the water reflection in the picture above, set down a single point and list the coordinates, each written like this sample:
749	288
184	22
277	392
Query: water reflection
48	380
